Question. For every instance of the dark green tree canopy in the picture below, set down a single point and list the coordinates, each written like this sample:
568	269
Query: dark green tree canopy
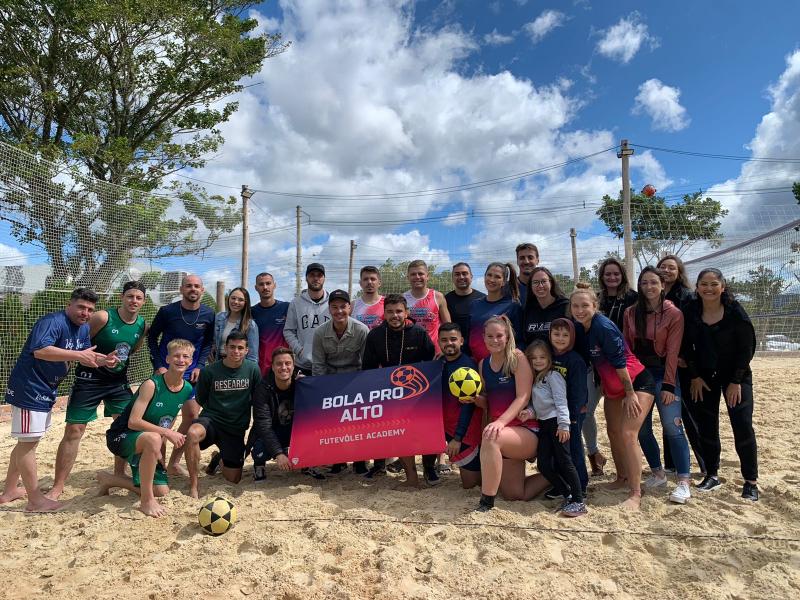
660	228
104	93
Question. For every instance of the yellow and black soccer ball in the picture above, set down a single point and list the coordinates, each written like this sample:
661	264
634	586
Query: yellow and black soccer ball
465	383
217	516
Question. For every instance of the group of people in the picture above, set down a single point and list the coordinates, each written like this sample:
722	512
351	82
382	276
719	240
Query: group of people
545	360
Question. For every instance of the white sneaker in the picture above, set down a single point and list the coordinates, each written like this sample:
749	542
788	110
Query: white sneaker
654	481
681	493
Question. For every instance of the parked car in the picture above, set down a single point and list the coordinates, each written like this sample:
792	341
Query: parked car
779	342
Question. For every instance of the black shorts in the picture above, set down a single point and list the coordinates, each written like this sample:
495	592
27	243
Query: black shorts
231	445
87	395
644	382
472	465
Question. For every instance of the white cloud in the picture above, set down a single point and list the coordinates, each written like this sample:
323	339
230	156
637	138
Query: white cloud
495	38
751	197
366	102
544	24
11	256
623	40
662	103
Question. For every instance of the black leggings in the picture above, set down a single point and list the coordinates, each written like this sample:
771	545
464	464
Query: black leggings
706	415
555	462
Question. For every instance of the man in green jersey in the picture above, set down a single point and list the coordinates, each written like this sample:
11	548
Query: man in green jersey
224	391
120	332
142	429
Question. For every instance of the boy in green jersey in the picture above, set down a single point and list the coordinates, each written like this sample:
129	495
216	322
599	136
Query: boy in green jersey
139	433
224	391
120	331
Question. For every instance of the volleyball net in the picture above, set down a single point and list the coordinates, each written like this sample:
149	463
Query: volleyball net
60	228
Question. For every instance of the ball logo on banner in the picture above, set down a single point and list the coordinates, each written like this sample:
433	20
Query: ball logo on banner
410	379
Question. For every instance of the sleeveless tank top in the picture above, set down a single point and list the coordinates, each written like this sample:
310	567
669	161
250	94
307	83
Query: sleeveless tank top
162	409
370	315
500	393
425	313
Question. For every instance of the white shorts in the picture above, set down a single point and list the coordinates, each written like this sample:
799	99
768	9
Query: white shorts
29	425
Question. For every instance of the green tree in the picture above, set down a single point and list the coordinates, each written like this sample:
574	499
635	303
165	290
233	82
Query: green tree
761	289
105	94
659	228
395	281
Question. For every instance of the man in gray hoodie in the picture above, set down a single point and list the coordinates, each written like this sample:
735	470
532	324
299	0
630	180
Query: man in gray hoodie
306	312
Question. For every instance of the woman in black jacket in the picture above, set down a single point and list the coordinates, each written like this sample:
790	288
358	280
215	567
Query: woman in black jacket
719	342
615	291
544	303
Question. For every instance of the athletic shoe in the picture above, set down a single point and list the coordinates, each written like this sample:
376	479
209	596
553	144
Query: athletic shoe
670	470
654	481
553	494
431	476
259	473
750	491
359	467
574	509
681	493
213	464
394	467
312	472
443	468
374	471
709	484
337	468
483	507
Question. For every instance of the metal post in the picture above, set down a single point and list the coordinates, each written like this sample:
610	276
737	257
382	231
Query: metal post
246	195
220	296
299	257
627	233
573	236
353	247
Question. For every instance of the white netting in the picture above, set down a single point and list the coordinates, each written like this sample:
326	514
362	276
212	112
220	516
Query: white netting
52	239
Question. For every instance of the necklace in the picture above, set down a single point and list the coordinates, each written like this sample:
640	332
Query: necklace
180	306
402	343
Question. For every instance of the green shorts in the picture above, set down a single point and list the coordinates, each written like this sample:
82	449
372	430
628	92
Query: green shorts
159	477
87	395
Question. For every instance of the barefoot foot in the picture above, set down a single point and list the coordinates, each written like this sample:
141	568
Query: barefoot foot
194	493
43	504
103	482
633	502
618	484
152	508
177	470
12	494
54	493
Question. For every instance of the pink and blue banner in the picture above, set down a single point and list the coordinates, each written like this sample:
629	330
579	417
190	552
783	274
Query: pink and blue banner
363	415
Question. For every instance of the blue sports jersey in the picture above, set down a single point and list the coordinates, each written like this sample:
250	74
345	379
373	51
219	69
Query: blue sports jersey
172	322
482	310
33	382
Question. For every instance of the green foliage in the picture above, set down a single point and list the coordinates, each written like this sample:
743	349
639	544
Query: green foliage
394	278
659	228
758	293
128	92
796	191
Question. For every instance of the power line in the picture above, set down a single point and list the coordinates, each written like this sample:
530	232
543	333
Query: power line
720	156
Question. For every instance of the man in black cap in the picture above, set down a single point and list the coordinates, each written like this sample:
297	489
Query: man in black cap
339	343
306	312
339	348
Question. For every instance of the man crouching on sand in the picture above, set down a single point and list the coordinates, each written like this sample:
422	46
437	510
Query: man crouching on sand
139	433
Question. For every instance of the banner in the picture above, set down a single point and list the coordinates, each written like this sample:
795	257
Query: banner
363	415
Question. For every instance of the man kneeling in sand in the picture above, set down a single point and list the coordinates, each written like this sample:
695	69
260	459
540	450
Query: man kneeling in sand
139	433
225	392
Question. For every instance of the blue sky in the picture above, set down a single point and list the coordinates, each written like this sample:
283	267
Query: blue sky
378	96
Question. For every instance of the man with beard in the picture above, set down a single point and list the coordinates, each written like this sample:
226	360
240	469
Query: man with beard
527	261
462	420
192	321
270	317
460	298
306	312
398	341
368	308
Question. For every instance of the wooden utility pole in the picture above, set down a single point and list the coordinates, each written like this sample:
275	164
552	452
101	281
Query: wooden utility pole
246	195
299	257
353	247
220	296
575	273
627	233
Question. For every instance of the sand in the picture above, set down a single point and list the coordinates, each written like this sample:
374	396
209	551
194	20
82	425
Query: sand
347	538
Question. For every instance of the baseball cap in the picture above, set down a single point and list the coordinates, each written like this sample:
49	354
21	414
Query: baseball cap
338	295
315	267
